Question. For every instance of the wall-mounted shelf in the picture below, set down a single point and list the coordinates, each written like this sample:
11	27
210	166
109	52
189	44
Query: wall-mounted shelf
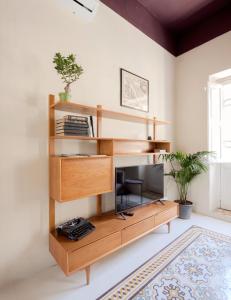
73	137
130	118
139	154
116	147
75	108
105	113
76	137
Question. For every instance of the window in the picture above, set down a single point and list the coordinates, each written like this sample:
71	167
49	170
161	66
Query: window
220	119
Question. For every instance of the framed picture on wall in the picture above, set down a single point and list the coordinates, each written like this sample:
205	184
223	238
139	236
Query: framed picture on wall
134	91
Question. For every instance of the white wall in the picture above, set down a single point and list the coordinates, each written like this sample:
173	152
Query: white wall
192	74
31	31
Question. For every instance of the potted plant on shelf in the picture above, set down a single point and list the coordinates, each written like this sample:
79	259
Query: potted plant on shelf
69	71
184	168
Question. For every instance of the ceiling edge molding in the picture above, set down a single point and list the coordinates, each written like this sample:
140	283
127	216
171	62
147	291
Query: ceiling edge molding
175	43
136	14
205	31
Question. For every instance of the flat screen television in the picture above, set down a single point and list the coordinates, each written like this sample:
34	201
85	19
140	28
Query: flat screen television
138	185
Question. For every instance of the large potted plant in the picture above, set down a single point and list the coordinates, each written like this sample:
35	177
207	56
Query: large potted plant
69	71
184	168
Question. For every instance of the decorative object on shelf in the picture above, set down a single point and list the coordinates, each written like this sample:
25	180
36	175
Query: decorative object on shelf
149	138
72	125
160	151
69	71
134	91
75	229
184	168
92	126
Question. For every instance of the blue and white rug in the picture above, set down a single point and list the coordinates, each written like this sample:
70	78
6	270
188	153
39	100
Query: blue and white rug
196	266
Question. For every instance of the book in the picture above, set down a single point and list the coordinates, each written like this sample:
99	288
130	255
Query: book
71	126
80	122
71	134
73	130
72	117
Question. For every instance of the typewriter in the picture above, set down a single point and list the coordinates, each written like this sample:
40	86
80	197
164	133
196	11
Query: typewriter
75	229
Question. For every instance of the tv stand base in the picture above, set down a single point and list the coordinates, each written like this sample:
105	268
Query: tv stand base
159	201
110	235
126	214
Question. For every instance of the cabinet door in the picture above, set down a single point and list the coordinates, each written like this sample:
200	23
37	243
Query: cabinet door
75	178
85	177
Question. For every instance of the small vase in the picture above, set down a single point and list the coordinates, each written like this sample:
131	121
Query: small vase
64	97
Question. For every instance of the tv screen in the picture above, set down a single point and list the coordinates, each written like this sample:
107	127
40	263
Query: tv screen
138	185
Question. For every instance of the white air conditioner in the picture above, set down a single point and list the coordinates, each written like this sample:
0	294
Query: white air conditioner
86	9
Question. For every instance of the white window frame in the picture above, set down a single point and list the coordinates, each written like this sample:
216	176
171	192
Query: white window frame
218	84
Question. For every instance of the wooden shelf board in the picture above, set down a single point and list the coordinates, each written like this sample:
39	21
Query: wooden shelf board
138	154
105	113
130	118
75	108
81	157
105	156
75	137
133	140
110	223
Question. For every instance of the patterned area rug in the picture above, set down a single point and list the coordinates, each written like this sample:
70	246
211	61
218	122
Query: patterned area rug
197	265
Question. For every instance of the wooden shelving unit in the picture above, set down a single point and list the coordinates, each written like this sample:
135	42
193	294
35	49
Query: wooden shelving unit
76	177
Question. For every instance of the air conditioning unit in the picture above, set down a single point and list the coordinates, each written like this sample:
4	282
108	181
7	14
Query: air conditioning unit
86	9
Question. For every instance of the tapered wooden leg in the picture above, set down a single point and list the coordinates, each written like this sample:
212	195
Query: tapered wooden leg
169	226
87	270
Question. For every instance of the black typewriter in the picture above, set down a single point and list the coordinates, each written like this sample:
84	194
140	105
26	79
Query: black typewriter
75	229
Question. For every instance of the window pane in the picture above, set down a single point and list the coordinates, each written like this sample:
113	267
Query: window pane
226	123
227	91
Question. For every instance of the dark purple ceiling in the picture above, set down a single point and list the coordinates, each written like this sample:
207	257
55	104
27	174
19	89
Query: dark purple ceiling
177	25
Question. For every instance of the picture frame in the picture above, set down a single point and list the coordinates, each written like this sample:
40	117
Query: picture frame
134	91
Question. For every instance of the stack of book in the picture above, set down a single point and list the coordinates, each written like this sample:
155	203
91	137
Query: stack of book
72	125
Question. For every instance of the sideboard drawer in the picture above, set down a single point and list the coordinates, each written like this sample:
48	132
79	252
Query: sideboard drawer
137	229
88	254
164	216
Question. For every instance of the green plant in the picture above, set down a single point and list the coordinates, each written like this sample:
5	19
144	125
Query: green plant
67	68
184	168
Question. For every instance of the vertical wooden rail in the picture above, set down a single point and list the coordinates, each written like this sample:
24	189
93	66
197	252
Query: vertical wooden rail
154	128
99	120
51	143
154	136
99	133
